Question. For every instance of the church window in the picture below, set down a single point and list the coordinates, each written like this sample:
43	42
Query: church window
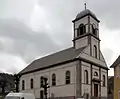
23	85
95	51
86	76
53	79
81	30
94	29
95	74
41	81
67	77
103	80
31	83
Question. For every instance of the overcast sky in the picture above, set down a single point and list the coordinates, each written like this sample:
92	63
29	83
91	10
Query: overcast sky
30	29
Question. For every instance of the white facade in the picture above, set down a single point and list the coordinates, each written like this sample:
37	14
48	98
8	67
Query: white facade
81	42
61	89
69	90
88	73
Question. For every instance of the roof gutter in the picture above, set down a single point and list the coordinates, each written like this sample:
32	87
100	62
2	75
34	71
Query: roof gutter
54	65
65	62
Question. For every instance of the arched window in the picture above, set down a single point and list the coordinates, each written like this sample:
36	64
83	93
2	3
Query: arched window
23	85
95	74
81	30
67	77
94	29
95	51
103	80
31	83
53	79
41	81
86	77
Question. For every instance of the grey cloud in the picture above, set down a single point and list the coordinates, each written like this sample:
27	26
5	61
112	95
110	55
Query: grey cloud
26	41
108	54
20	9
29	44
11	63
107	11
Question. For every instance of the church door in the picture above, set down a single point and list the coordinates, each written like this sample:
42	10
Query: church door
96	90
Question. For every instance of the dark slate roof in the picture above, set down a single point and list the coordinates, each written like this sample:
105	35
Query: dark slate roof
110	77
116	62
84	13
53	59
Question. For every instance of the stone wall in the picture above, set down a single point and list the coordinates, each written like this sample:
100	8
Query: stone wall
99	98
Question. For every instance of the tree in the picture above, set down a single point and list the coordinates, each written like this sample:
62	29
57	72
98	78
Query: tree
16	80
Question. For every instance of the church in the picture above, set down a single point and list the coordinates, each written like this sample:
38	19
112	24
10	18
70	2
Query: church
77	72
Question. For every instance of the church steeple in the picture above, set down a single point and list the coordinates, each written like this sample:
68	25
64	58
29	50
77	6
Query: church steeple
86	30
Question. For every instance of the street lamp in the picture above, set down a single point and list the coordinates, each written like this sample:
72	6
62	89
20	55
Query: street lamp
45	85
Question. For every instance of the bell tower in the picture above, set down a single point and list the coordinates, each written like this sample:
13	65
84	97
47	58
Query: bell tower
86	32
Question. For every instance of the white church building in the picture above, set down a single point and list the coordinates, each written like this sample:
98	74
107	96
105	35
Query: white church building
79	71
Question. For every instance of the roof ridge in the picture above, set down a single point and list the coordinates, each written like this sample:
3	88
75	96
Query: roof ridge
52	59
54	53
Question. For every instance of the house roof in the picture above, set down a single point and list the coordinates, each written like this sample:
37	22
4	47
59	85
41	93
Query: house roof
53	59
110	77
116	62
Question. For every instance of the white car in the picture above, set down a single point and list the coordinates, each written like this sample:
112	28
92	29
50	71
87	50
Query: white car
20	96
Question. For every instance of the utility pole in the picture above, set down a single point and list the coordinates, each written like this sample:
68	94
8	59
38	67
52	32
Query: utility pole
45	86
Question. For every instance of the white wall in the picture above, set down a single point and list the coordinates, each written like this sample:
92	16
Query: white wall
79	43
69	90
94	60
101	57
63	91
87	50
104	89
96	43
86	88
95	69
93	21
83	20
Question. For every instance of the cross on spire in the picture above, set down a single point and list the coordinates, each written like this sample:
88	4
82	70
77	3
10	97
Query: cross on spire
85	5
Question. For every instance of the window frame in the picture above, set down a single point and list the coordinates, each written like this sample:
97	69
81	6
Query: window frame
81	29
95	51
23	84
31	83
41	81
104	81
67	77
53	79
94	30
96	73
86	78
